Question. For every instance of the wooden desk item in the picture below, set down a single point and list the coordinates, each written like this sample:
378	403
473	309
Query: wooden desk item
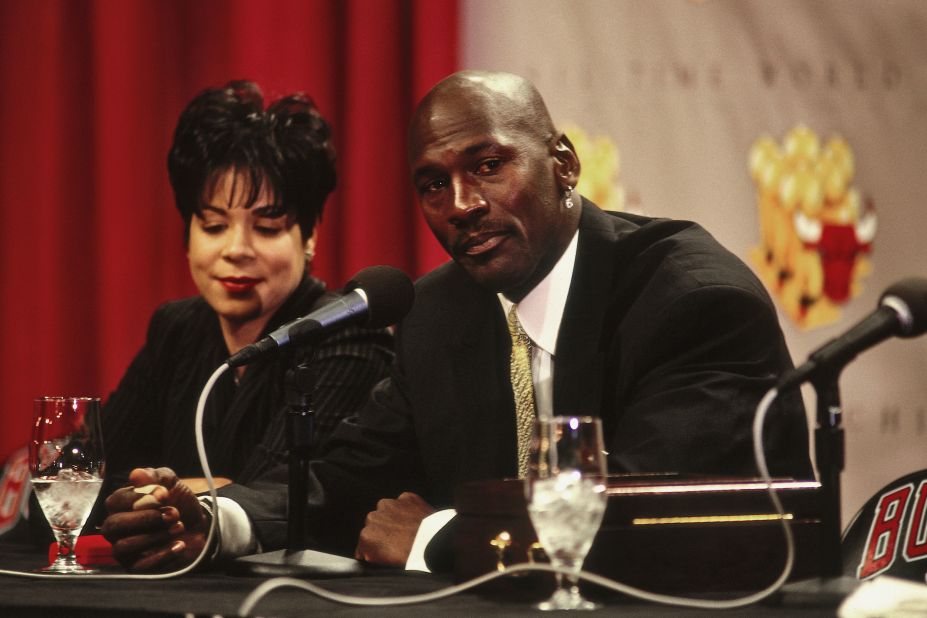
663	533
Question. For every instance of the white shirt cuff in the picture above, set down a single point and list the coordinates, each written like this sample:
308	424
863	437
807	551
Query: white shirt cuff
426	531
236	537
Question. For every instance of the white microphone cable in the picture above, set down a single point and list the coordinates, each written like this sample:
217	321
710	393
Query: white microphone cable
201	453
267	587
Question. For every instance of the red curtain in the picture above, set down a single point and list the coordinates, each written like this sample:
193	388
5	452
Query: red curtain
90	242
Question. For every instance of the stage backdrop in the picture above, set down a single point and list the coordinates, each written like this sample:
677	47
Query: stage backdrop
794	131
90	242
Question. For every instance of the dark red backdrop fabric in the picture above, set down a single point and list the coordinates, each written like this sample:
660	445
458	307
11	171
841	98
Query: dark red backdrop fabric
90	242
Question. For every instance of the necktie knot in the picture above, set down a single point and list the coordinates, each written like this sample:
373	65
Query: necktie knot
515	329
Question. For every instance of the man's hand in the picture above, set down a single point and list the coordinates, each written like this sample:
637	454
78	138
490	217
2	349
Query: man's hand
156	524
389	531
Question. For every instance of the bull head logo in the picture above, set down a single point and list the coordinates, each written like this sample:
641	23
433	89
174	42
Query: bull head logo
815	230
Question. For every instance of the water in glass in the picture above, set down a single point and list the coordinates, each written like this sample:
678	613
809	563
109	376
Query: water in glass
565	488
66	463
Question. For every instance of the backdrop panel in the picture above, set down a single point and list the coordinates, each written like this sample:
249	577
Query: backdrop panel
670	100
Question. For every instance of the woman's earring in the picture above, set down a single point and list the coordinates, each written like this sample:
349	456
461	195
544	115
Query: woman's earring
568	198
310	248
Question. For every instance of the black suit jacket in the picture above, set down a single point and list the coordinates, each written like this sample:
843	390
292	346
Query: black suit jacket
666	336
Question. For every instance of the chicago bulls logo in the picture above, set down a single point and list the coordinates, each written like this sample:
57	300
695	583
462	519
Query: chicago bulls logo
14	490
892	524
816	229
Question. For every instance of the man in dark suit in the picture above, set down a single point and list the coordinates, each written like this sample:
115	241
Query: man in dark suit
648	323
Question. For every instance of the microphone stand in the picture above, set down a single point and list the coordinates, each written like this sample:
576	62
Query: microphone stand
300	419
296	559
830	458
832	585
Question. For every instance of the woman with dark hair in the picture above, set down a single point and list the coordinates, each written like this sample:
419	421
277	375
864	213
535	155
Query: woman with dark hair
250	184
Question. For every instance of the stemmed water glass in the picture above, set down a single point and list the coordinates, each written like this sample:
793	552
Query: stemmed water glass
66	464
565	490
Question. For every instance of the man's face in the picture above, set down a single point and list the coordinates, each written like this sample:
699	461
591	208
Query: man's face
488	191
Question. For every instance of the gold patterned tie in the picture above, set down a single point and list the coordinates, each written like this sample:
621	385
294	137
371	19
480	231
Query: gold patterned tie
523	389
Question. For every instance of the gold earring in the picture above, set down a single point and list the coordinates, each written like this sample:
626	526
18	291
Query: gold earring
568	197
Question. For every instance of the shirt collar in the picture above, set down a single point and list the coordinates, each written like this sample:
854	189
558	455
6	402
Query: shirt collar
541	311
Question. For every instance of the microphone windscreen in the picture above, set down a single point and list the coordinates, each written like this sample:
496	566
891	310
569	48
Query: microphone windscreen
389	294
913	293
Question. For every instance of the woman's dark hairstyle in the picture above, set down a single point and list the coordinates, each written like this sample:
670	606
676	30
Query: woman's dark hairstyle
288	146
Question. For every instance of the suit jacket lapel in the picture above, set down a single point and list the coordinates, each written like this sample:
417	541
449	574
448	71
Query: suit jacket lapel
483	395
578	365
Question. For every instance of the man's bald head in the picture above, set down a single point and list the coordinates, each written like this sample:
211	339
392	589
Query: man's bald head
506	98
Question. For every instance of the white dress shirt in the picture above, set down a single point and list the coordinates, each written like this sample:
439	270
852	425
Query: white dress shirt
540	314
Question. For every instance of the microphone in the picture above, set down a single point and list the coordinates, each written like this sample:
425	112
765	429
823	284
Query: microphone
902	312
377	297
